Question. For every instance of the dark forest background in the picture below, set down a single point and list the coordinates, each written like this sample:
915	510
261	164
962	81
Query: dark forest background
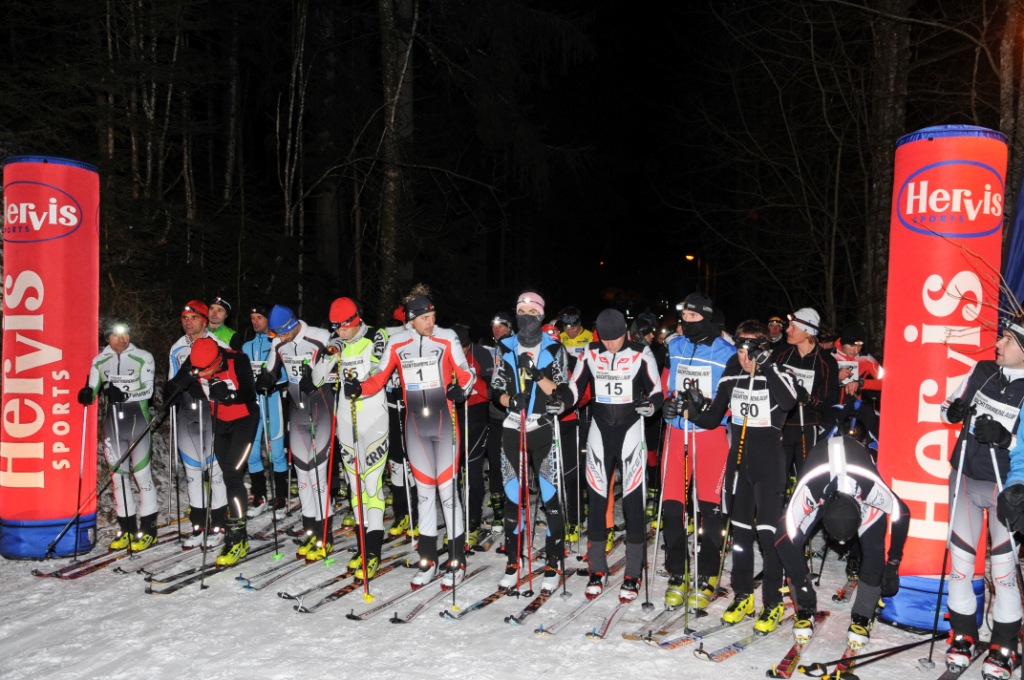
296	151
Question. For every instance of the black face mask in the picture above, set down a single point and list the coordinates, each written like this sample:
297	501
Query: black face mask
529	329
696	331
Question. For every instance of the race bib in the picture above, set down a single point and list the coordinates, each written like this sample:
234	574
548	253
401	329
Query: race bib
1004	414
613	387
421	374
125	383
689	377
751	406
257	367
854	369
803	377
293	367
353	367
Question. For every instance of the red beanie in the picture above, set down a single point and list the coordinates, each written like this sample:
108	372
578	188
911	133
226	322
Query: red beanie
205	353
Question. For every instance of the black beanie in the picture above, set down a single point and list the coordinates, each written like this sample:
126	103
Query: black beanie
611	324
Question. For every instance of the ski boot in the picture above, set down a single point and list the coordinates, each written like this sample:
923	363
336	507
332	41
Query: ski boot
355	563
511	577
426	574
999	664
572	533
129	527
960	653
803	626
143	540
373	564
497	503
349	520
852	567
742	606
675	593
769	618
652	503
195	540
308	543
257	506
400	526
609	543
552	577
706	586
595	586
319	551
859	632
454	572
215	538
232	552
473	537
629	590
122	541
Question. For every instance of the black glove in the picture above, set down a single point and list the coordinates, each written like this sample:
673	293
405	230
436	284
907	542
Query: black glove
519	402
86	396
306	385
526	363
801	395
891	578
114	394
644	408
987	430
693	403
763	354
956	411
196	390
555	406
220	392
1010	507
455	393
177	386
670	409
265	383
353	388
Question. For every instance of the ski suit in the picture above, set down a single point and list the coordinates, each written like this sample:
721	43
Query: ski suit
193	434
476	412
427	366
842	464
694	365
997	392
362	426
133	372
309	422
620	380
755	479
531	441
818	374
271	415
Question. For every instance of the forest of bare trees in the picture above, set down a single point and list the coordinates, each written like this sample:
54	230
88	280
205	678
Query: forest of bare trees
295	151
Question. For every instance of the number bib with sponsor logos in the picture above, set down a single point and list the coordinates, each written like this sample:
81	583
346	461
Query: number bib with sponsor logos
688	377
804	377
257	367
125	383
353	367
421	374
752	406
613	387
1004	414
293	367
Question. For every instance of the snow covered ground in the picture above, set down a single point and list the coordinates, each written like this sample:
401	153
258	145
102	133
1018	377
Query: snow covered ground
104	625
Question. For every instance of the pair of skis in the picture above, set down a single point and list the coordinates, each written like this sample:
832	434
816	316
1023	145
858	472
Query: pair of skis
387	564
560	624
407	594
450	615
95	563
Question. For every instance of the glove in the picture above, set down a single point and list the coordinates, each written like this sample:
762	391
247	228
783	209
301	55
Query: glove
352	388
265	383
670	409
1010	507
801	395
956	411
693	403
219	391
196	390
891	578
306	385
644	408
177	386
988	431
455	393
86	396
526	363
519	402
335	345
554	407
114	394
763	354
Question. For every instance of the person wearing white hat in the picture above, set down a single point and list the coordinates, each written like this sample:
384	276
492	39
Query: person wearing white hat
816	375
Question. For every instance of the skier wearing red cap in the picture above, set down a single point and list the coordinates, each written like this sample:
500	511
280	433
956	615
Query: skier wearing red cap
226	379
193	434
355	352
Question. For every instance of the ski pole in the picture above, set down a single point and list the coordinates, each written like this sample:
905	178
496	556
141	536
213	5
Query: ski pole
97	492
264	406
560	479
359	503
206	468
330	466
661	496
172	464
81	472
820	669
647	606
964	431
453	565
407	475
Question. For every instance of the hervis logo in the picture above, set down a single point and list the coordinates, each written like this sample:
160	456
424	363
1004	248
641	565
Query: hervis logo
34	212
952	198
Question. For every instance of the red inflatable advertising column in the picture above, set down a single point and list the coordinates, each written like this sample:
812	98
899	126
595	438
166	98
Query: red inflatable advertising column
940	320
50	317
